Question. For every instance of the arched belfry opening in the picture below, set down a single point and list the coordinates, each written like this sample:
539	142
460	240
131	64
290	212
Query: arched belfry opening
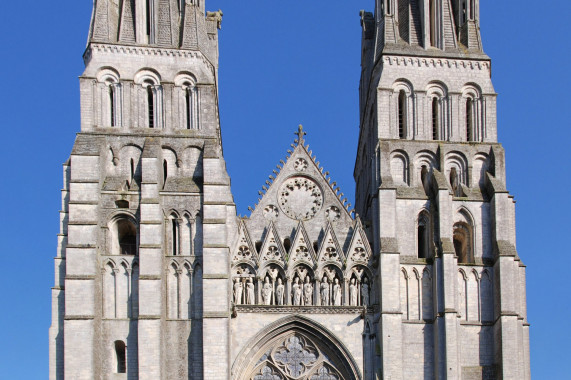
295	348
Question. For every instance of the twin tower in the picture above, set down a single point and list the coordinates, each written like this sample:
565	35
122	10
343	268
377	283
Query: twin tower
157	278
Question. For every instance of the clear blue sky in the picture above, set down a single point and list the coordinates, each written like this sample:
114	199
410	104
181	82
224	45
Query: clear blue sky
282	63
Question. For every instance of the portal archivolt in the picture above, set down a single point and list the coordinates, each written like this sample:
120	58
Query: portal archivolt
295	351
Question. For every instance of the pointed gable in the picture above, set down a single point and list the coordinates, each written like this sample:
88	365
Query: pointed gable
301	250
272	249
245	251
359	249
330	251
302	191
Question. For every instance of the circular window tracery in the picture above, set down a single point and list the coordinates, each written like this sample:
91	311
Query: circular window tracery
300	198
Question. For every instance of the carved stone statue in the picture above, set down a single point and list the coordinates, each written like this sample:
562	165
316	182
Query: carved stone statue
337	295
250	292
324	292
296	290
353	292
280	292
365	292
267	291
308	292
237	292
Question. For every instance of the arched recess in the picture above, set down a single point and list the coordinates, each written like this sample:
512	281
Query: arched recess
295	347
437	95
108	97
187	96
400	168
403	110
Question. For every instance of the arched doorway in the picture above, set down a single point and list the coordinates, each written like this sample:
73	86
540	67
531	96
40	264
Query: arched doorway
295	348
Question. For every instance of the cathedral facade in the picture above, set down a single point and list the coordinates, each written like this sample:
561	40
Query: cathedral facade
157	277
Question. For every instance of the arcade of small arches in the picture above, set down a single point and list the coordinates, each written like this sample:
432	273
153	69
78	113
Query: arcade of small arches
148	107
463	236
303	286
437	112
418	171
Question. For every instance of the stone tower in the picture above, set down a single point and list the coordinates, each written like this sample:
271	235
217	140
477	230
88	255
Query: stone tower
146	203
431	186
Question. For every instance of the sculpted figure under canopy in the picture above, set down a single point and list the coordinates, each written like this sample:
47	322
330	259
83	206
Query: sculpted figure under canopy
353	292
250	292
365	292
337	295
267	292
237	292
280	292
308	292
324	287
296	289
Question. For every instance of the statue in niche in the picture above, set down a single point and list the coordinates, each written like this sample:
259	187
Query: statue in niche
250	292
296	290
237	292
353	292
308	292
337	295
324	292
267	291
280	290
365	292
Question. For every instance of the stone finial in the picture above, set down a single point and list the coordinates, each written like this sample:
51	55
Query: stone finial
300	134
215	16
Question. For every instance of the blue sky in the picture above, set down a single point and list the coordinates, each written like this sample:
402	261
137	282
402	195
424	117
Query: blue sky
282	63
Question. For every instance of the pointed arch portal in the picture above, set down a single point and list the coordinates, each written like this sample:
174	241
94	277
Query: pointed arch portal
295	348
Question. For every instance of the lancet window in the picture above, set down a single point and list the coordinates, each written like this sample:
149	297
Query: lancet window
402	114
120	356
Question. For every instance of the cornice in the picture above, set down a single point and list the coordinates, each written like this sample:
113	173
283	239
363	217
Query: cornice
452	63
143	51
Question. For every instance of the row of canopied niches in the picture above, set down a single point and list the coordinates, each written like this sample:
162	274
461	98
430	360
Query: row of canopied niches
303	287
146	100
443	120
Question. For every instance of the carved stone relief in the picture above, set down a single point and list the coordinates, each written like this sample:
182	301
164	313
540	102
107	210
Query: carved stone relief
300	164
333	213
271	212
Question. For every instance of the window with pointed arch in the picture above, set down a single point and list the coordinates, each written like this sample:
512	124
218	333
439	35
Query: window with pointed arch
174	232
423	235
463	242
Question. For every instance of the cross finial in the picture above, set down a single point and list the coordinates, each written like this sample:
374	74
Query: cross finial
300	133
